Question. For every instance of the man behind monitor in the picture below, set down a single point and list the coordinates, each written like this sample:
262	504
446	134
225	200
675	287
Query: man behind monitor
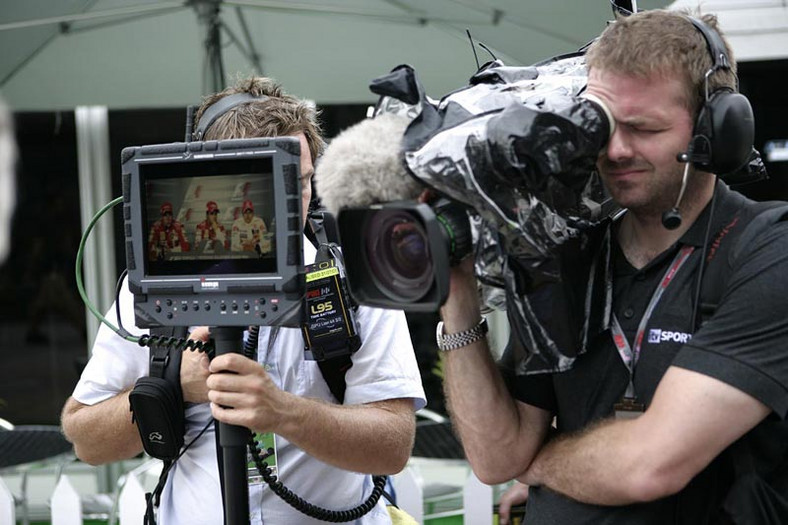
322	447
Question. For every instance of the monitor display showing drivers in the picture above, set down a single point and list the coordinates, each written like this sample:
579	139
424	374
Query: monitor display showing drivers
214	232
218	221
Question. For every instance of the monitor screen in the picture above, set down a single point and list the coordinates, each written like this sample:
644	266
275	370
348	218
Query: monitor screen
219	218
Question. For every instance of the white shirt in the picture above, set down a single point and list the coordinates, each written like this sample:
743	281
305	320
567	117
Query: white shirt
383	368
243	232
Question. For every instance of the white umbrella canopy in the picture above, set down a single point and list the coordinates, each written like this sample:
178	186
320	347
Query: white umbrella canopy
62	53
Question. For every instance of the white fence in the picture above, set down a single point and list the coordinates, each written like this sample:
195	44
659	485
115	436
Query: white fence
128	506
66	506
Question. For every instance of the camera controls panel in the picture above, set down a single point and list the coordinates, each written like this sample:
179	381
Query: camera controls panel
235	311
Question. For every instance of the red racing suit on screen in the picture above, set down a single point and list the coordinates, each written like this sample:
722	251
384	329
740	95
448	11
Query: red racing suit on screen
206	232
164	239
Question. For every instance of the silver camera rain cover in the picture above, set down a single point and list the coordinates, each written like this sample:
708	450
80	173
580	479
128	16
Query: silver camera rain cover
518	147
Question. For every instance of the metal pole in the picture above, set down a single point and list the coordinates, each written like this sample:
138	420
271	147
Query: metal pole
233	440
208	16
95	190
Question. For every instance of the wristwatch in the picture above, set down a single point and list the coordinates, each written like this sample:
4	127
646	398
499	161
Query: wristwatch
448	342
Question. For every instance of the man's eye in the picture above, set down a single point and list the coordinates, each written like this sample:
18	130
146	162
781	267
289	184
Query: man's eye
647	130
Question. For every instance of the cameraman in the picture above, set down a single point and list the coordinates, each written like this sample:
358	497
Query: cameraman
703	439
322	447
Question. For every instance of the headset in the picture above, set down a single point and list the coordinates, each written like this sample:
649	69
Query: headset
724	130
216	110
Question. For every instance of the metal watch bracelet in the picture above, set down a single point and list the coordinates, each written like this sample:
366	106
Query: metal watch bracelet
447	342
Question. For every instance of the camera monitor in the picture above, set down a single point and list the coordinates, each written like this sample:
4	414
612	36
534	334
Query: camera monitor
214	232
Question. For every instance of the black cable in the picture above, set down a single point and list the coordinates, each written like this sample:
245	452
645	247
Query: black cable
699	284
178	343
250	345
303	506
152	498
288	496
473	47
121	330
481	45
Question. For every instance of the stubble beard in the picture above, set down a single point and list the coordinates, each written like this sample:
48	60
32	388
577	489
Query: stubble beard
651	194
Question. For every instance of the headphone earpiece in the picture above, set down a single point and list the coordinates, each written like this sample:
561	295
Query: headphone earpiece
724	132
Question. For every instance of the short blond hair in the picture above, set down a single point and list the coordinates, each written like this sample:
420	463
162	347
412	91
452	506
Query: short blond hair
666	43
277	115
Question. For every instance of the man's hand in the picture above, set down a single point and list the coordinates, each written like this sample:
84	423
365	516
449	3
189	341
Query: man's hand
515	495
374	438
242	393
194	369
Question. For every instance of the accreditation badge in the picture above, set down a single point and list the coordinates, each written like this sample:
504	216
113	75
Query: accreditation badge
628	408
266	444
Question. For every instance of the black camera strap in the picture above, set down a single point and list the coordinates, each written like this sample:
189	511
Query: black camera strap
156	403
330	327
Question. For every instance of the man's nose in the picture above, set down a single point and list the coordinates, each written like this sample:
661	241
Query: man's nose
620	146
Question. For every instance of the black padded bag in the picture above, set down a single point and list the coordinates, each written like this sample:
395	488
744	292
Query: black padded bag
157	404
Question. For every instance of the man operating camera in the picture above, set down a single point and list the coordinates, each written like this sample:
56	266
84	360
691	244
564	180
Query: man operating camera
663	419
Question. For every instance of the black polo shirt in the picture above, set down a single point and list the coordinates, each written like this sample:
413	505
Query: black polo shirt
745	344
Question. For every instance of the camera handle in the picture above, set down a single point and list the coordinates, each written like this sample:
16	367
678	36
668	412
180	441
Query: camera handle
233	441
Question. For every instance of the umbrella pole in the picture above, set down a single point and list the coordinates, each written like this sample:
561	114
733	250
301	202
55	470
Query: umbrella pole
208	16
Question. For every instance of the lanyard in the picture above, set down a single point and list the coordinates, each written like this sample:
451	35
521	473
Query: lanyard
631	355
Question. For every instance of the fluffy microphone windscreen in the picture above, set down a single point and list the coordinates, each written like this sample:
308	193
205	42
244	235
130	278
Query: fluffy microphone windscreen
363	165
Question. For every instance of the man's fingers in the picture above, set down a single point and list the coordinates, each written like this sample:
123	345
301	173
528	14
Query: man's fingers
504	509
231	416
228	399
233	362
201	333
515	495
227	382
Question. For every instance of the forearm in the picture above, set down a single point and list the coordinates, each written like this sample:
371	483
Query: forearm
101	433
601	465
499	439
376	438
499	435
691	420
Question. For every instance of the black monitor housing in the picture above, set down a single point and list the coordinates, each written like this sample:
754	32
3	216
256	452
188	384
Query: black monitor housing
183	269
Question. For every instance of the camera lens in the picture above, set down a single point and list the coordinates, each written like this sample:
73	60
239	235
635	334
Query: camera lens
398	253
